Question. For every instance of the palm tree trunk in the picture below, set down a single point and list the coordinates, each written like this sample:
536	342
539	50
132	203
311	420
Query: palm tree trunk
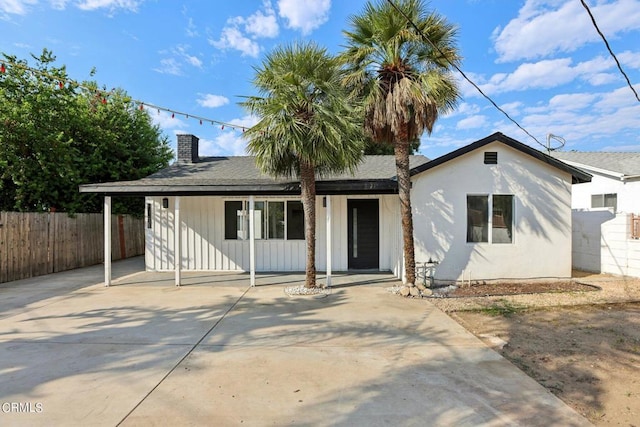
308	187
401	151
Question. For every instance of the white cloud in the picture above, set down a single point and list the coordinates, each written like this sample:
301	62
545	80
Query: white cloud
580	117
626	148
191	29
16	7
169	66
193	60
304	15
545	27
59	4
629	59
512	108
622	96
232	38
229	142
241	33
164	120
545	74
463	108
21	7
571	102
600	79
261	25
177	57
130	5
212	101
472	122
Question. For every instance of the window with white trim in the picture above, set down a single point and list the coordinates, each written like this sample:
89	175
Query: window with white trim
490	218
273	220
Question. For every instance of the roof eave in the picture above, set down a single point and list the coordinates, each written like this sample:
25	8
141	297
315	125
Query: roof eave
578	176
322	188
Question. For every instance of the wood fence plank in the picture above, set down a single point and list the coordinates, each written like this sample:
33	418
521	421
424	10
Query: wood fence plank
32	244
3	248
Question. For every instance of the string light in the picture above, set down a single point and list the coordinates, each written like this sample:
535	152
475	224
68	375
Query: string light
103	96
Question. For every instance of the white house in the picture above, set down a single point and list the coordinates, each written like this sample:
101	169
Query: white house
606	212
615	180
495	209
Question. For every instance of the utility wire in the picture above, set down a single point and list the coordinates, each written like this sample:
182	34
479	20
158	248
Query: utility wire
424	37
105	94
593	19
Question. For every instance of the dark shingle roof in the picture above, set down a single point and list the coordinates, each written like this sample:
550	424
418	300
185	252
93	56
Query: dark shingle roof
239	175
626	164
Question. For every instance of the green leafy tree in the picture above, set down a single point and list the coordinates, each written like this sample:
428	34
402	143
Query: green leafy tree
56	135
307	125
386	148
404	84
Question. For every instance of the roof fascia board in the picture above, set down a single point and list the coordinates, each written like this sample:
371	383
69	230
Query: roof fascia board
577	174
579	165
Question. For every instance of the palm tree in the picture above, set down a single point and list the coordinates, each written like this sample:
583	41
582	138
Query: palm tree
307	125
404	83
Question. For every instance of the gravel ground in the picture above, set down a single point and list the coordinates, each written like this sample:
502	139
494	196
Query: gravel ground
612	289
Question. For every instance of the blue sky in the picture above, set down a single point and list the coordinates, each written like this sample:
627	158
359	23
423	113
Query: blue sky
540	60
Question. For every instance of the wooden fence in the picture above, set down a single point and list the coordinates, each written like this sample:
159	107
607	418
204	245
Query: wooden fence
32	244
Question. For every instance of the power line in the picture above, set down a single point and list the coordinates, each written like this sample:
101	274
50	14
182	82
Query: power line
104	94
593	19
424	37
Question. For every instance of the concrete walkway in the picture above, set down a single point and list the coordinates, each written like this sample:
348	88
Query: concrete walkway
217	352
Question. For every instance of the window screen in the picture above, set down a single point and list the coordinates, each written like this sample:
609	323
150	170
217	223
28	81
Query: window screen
502	219
477	219
275	212
231	218
295	221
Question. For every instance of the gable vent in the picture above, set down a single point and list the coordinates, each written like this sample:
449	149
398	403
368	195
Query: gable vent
491	158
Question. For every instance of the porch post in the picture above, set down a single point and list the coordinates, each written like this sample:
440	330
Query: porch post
177	241
252	242
328	240
107	240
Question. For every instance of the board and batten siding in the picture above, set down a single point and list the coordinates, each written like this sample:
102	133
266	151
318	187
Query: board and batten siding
541	244
204	247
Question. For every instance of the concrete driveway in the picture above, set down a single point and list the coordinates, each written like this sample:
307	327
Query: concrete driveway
217	352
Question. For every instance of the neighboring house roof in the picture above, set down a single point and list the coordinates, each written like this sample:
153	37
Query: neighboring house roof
240	176
619	165
577	174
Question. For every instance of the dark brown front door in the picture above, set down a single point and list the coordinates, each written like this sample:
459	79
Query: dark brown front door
363	234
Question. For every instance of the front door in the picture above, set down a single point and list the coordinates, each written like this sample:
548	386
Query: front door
363	234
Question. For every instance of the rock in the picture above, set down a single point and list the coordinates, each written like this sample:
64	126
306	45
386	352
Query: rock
404	291
414	292
411	285
426	292
421	286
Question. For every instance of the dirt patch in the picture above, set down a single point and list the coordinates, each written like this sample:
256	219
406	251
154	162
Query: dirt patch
589	356
509	288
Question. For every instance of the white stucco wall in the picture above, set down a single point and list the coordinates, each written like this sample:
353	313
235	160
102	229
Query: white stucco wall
205	248
628	192
602	243
542	217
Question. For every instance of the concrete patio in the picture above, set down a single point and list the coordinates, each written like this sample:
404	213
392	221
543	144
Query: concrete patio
218	352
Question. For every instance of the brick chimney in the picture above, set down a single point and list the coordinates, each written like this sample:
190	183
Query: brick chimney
187	149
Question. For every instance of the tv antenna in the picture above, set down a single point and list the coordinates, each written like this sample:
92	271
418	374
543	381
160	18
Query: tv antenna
560	139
